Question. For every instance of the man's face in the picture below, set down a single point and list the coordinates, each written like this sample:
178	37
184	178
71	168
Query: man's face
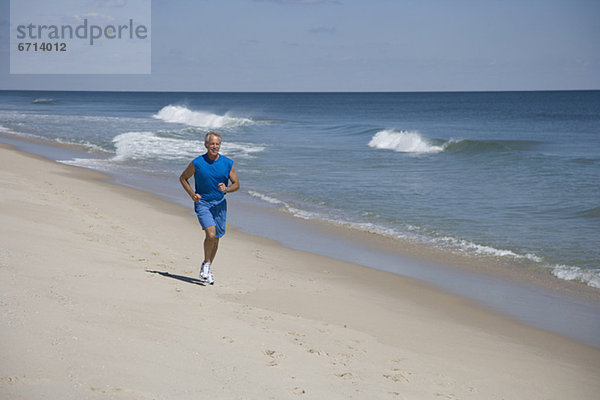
213	145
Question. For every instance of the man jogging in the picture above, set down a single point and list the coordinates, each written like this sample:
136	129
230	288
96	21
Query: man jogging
212	172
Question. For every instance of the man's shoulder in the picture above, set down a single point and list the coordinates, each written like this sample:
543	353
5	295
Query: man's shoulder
226	159
198	159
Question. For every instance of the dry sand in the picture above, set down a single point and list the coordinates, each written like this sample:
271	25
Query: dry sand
99	300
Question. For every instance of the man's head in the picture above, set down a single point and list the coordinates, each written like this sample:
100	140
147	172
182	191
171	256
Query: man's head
207	137
212	142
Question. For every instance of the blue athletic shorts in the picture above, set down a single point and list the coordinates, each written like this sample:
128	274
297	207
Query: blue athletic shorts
212	215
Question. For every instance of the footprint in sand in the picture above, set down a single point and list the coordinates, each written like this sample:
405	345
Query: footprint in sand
317	352
274	357
396	377
345	375
227	339
299	391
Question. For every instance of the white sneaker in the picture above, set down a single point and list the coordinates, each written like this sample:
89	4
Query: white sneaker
209	279
204	270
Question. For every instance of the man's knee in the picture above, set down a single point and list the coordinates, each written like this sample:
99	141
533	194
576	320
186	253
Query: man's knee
211	233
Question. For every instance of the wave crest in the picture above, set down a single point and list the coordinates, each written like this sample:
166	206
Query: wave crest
148	145
200	119
404	142
44	101
413	142
571	273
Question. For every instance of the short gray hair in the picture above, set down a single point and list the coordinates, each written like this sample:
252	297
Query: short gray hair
209	134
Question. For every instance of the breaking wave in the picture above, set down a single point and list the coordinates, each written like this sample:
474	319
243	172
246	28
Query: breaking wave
44	101
413	142
590	277
200	119
403	141
149	145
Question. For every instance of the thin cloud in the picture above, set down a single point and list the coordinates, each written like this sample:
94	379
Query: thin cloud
249	42
110	3
291	44
322	30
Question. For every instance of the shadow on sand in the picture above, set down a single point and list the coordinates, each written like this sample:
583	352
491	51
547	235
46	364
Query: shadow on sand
182	278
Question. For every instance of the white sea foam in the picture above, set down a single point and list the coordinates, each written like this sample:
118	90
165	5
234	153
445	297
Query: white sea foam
483	250
90	163
303	214
85	144
403	141
200	119
148	145
144	145
4	129
8	131
571	273
44	101
242	150
310	215
589	277
370	228
266	198
473	248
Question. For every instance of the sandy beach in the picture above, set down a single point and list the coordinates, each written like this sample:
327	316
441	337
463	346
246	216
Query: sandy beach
99	300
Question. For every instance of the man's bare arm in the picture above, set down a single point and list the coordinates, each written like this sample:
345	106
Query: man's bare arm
183	179
235	182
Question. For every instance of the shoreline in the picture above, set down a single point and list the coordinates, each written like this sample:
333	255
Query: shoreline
519	271
515	270
114	309
530	296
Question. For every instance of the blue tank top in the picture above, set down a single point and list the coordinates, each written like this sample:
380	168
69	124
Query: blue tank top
208	174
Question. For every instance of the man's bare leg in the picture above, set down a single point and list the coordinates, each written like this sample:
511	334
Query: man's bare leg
211	244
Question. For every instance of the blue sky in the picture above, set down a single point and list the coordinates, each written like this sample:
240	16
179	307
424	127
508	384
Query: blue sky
352	45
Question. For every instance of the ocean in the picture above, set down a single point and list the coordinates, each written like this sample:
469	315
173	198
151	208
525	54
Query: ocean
509	175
